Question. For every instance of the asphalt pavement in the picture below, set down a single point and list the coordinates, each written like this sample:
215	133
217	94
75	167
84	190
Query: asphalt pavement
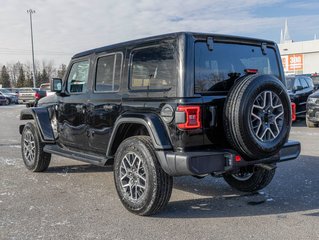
74	200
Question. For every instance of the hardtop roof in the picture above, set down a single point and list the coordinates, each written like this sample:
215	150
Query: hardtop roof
167	36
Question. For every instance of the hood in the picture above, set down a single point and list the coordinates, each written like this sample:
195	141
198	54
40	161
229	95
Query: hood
48	100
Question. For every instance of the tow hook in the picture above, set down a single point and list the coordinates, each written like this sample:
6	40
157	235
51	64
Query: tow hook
268	167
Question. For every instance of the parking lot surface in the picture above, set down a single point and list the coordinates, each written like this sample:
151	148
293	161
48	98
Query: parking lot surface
73	200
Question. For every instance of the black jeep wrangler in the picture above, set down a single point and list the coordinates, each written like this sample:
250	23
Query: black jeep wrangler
170	105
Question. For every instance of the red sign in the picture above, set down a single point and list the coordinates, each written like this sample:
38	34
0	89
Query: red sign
295	62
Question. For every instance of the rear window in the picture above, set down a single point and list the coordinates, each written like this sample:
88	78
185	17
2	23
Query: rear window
217	70
26	90
45	87
153	68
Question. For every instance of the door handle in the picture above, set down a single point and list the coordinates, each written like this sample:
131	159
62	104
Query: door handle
80	108
108	107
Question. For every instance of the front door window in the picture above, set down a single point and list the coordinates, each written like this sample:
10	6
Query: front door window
78	77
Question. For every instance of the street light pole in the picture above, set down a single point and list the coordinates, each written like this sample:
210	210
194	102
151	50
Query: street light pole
30	11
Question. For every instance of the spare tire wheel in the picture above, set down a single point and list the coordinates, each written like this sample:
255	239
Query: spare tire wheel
257	116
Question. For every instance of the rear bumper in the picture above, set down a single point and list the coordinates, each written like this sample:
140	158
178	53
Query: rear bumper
200	163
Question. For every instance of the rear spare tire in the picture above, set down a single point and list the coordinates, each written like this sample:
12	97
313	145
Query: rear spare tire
257	116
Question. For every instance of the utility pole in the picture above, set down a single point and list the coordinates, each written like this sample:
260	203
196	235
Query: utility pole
30	12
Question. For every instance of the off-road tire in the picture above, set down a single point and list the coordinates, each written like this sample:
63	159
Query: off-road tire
259	179
40	160
237	114
158	184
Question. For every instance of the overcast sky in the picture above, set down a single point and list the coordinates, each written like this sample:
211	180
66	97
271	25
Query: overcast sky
65	27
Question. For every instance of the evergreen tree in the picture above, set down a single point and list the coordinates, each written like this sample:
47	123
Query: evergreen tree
38	79
28	80
21	78
5	78
44	76
61	71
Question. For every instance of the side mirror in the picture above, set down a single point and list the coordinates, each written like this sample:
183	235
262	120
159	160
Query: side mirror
56	85
299	88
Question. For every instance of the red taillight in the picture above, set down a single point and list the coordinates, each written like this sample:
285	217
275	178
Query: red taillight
293	112
192	117
237	158
37	95
251	71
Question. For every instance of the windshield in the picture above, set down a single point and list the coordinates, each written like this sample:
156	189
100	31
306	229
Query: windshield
4	91
217	70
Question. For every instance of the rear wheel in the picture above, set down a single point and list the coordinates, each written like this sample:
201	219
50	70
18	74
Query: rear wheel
250	179
142	185
34	158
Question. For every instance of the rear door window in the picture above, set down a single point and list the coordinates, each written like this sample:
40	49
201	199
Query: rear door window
108	73
217	70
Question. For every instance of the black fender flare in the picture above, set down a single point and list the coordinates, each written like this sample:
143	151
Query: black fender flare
151	122
42	119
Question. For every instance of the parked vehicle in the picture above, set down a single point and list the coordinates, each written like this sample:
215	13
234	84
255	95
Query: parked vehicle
38	94
312	118
315	79
26	95
11	97
299	88
13	90
3	99
46	87
177	104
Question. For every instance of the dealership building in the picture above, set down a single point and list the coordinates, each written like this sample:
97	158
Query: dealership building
298	57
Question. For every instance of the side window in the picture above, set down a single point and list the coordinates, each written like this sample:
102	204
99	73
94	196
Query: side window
309	81
304	84
297	83
78	77
153	68
108	73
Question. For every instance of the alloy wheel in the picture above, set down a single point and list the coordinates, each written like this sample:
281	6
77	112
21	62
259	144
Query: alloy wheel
267	116
133	177
29	148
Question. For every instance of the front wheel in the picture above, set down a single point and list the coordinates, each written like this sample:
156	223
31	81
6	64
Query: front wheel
7	101
142	185
35	159
250	179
